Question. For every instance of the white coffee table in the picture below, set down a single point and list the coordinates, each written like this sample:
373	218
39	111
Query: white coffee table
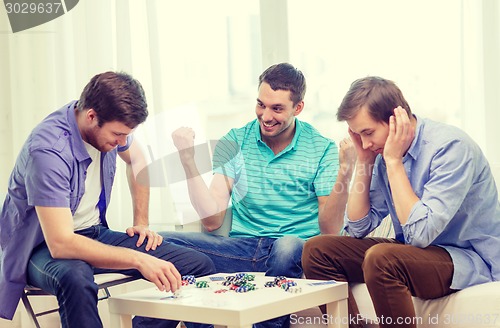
232	309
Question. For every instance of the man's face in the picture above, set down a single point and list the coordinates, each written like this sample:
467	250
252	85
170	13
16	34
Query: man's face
275	111
108	136
373	134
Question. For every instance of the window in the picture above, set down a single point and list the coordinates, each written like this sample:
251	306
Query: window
417	44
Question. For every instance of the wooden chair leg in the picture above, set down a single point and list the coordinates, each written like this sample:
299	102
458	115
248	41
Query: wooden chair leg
31	314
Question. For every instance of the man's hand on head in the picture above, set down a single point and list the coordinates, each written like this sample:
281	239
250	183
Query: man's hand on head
153	238
401	134
347	156
364	156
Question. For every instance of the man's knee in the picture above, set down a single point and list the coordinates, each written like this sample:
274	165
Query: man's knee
206	264
76	279
379	259
285	257
289	246
198	264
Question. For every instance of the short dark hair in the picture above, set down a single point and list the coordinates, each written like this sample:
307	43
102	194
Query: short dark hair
115	96
380	96
284	76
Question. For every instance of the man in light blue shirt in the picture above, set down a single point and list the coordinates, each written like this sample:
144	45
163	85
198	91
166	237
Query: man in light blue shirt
436	185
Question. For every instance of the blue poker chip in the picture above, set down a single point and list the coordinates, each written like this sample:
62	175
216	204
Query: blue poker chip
245	288
270	284
189	278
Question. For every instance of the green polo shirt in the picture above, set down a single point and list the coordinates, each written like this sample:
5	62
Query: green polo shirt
276	195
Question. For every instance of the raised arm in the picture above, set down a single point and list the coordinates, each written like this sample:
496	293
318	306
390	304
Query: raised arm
358	204
332	207
209	202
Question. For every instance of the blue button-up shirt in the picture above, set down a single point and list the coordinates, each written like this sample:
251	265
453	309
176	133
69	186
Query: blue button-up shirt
458	208
50	171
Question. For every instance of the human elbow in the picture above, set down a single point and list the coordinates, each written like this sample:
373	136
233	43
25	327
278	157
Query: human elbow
211	227
419	242
59	250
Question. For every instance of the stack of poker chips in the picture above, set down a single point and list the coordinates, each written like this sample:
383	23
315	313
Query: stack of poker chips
202	284
284	283
188	280
240	282
245	288
245	276
291	287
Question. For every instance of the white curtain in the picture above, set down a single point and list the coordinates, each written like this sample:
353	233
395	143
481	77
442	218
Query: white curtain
195	60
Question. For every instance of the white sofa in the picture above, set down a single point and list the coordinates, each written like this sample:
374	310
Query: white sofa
474	307
477	306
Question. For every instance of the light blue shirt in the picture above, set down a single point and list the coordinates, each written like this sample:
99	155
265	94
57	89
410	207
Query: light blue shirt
458	207
49	171
276	195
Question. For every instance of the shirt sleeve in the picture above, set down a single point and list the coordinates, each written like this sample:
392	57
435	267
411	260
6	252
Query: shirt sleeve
130	138
226	153
47	179
450	178
328	169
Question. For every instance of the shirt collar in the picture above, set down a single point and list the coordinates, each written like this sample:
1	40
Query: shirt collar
79	149
414	149
298	130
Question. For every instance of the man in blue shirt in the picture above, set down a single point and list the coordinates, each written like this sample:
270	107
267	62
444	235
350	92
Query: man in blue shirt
436	185
282	178
53	229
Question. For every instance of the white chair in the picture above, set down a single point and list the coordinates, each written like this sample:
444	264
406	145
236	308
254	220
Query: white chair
104	281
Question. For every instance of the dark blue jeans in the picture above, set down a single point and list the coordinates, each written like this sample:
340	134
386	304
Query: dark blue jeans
72	281
274	256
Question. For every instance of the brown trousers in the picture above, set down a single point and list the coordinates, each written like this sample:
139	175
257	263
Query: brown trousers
392	271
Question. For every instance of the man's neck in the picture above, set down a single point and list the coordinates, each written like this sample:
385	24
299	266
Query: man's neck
281	141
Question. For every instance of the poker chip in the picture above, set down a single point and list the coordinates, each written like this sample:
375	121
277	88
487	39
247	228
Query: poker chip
226	283
242	282
245	288
202	284
288	283
279	280
231	278
250	277
190	279
270	284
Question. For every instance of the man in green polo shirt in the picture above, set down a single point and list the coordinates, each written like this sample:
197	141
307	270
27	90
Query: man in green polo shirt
282	177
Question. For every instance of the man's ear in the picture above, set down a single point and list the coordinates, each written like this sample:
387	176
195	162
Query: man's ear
298	108
91	116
